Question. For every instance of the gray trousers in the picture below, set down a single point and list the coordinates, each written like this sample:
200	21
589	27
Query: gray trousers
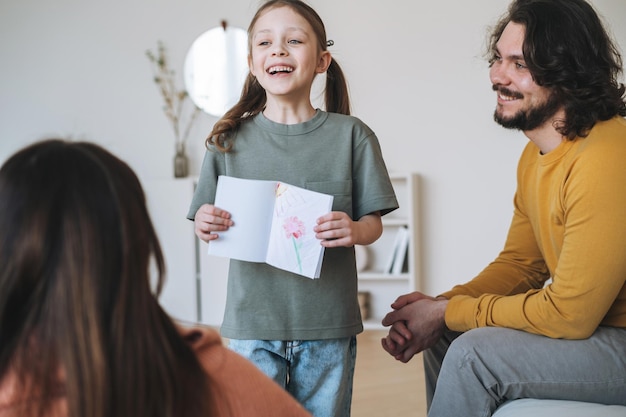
471	374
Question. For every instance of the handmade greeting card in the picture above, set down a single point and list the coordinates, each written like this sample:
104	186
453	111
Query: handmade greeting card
273	223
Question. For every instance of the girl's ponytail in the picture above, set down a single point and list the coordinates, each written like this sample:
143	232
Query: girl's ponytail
251	102
336	95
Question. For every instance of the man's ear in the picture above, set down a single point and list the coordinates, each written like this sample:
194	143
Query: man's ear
324	62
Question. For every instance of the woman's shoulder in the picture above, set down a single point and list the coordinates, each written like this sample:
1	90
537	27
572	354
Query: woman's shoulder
238	387
199	335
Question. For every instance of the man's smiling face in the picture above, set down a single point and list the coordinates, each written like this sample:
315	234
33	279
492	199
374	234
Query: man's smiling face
521	103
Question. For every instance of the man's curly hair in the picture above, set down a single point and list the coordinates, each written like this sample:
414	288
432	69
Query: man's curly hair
568	50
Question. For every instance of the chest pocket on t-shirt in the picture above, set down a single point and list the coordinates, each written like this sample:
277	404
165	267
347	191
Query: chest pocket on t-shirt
340	190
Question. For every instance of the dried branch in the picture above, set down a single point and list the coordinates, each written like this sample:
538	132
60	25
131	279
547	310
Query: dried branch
174	99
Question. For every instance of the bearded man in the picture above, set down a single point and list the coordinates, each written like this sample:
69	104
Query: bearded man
547	318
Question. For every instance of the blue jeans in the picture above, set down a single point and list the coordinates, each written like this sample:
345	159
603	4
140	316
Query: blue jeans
317	373
473	373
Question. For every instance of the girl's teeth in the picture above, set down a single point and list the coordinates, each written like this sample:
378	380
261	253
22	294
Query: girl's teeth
274	70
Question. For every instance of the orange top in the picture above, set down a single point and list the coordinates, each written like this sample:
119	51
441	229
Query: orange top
238	388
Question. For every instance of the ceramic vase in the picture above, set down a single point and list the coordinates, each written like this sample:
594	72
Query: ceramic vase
181	162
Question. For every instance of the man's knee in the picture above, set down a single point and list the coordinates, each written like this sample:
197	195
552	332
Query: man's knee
481	343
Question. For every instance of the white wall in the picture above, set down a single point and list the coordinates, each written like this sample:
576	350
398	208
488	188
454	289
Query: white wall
77	68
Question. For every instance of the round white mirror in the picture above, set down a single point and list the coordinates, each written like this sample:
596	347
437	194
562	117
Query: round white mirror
216	67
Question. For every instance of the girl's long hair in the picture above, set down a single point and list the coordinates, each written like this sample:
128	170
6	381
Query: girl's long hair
253	98
78	317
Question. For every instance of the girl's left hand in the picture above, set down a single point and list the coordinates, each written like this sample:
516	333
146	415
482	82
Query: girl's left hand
335	229
338	229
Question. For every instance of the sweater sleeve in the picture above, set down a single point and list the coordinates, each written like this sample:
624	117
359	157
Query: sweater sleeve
518	268
568	225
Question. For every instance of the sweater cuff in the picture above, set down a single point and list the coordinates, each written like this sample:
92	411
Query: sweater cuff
459	314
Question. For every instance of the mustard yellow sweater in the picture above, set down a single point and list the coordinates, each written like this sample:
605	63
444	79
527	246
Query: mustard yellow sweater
569	224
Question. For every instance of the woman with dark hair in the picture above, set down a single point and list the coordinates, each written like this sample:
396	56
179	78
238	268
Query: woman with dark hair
82	333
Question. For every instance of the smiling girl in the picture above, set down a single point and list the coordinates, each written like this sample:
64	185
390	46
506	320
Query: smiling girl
300	332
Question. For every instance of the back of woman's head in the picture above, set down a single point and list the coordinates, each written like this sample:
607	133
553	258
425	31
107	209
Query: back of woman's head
569	51
76	245
253	98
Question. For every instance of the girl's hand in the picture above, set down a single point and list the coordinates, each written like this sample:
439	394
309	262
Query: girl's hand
210	219
338	229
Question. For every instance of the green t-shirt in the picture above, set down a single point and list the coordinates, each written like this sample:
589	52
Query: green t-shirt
331	153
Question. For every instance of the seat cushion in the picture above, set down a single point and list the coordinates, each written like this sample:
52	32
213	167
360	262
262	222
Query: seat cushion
550	408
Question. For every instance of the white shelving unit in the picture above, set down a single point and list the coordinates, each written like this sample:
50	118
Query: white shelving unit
382	285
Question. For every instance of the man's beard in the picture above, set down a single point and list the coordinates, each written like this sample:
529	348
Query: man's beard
531	118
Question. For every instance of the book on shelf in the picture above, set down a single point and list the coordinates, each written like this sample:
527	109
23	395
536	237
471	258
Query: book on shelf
399	252
392	253
273	223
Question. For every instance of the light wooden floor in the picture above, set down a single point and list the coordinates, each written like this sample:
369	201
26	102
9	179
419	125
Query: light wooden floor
384	387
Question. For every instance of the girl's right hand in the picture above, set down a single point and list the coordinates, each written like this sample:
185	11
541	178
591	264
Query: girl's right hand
210	219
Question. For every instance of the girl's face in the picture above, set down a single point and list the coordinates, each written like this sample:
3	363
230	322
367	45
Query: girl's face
285	56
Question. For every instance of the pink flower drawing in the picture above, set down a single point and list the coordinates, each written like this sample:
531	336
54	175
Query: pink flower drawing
294	229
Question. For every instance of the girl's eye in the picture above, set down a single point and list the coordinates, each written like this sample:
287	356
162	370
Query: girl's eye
264	43
294	41
520	65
